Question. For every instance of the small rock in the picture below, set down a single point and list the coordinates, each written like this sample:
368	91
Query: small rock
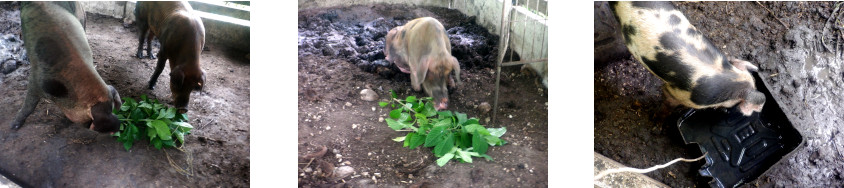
368	95
338	156
327	127
377	174
8	66
380	119
335	151
364	173
354	126
309	170
373	108
348	104
343	171
484	107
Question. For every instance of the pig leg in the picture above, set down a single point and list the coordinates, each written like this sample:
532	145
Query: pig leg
158	68
29	104
149	45
143	28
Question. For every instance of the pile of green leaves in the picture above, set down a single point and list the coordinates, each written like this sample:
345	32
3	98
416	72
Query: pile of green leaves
149	119
452	135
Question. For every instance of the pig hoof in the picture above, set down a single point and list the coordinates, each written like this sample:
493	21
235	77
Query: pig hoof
151	56
16	125
151	86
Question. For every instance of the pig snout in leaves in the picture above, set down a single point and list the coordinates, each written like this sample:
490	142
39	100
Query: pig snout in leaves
182	37
421	48
62	67
695	72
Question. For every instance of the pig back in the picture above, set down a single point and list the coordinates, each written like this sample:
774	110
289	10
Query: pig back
426	36
156	12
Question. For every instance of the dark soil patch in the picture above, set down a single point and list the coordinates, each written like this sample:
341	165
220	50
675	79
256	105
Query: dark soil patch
49	152
803	76
340	53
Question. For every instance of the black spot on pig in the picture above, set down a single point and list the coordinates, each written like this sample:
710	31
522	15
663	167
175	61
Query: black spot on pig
54	88
664	65
628	31
653	5
674	19
717	89
672	42
402	33
48	51
692	32
726	64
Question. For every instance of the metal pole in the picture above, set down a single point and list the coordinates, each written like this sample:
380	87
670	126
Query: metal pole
501	52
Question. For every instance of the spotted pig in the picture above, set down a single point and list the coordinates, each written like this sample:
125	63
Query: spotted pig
695	72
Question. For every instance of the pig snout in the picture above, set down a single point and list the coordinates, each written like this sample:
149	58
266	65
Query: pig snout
441	104
103	120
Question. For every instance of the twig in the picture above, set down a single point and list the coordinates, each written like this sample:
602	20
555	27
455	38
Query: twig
188	171
826	25
642	171
775	16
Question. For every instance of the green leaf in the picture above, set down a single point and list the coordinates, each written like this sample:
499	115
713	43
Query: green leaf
488	158
410	99
443	123
445	146
417	141
180	136
435	136
183	126
157	143
161	113
497	132
464	156
145	106
395	113
169	143
127	145
479	144
125	107
430	110
403	117
407	139
475	127
143	97
399	139
461	118
162	129
393	94
492	140
421	119
171	113
444	114
471	121
444	159
463	140
383	104
394	125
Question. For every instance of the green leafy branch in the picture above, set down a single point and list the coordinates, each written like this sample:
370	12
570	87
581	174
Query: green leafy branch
452	135
149	119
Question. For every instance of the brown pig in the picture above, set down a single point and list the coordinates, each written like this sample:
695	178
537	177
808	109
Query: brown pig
182	37
62	67
421	48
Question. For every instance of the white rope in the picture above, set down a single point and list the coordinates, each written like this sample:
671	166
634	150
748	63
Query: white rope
642	171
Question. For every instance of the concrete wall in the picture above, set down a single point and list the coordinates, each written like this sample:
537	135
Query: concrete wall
233	35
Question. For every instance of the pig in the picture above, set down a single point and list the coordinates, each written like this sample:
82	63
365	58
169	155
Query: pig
182	37
421	47
696	74
540	69
62	67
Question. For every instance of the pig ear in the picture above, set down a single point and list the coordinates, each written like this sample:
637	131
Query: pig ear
115	97
417	76
176	78
744	65
456	69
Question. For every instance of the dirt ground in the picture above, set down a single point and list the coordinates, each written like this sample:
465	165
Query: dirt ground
784	39
340	53
49	152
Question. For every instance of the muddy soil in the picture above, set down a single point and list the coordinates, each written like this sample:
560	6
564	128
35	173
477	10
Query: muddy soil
804	76
48	151
340	53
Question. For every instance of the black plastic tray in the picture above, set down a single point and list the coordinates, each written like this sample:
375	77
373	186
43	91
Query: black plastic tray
740	148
